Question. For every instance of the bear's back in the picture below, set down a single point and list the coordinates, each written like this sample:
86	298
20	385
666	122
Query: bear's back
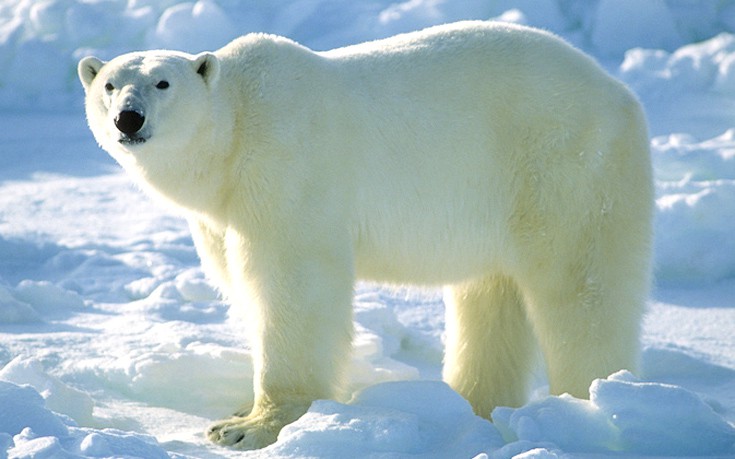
433	138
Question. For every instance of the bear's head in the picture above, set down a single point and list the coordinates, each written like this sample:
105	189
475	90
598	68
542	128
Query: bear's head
147	101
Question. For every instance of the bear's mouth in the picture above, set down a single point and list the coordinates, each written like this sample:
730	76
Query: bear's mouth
134	139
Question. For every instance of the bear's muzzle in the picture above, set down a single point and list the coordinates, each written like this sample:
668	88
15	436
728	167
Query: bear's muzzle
129	122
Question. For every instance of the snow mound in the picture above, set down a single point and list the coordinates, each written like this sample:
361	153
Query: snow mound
623	414
29	430
163	377
401	419
696	208
30	300
694	171
195	26
59	396
707	65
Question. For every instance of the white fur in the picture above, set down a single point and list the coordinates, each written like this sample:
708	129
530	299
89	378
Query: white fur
491	158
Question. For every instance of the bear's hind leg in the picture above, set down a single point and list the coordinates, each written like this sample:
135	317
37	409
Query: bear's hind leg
489	345
587	326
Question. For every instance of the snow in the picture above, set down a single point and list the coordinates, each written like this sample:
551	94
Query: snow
618	417
113	344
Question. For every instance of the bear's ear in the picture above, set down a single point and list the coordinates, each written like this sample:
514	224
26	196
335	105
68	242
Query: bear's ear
207	66
88	69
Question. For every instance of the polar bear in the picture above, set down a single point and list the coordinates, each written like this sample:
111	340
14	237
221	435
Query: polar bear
490	158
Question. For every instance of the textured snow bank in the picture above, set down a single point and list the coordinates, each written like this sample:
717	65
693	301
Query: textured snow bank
400	418
623	414
33	431
41	41
696	208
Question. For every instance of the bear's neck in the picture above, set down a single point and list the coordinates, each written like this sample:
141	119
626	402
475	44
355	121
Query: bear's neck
200	181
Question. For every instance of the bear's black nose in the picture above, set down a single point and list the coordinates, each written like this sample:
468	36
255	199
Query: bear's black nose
129	122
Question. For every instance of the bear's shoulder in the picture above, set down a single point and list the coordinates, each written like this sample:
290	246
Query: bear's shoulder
260	45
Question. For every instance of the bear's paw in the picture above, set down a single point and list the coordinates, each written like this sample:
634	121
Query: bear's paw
243	433
256	430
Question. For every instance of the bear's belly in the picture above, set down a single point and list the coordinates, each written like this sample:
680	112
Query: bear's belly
431	254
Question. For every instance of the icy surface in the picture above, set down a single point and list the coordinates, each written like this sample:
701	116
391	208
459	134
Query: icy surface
112	343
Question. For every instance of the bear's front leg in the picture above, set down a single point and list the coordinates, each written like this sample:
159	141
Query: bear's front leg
299	305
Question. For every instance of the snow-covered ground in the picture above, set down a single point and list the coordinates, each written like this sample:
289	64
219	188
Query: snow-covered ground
112	343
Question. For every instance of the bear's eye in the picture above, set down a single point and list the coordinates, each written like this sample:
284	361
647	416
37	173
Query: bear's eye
109	87
163	84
